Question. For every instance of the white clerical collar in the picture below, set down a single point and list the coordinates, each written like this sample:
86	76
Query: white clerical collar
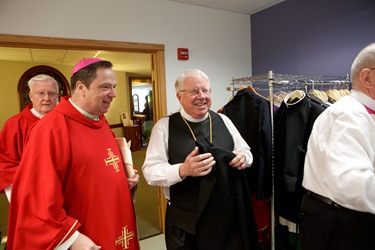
34	112
363	98
88	115
190	118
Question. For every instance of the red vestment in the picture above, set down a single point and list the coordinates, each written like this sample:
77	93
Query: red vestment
12	139
71	177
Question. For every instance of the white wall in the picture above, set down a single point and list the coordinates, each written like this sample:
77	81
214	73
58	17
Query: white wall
218	41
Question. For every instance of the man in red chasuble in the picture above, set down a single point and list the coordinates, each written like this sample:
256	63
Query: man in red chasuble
71	190
43	95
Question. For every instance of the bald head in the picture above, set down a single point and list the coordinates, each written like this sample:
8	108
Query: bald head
365	60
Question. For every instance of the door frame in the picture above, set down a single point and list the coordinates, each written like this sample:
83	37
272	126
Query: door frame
158	69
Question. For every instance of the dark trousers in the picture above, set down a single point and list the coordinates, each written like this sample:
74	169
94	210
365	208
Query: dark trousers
178	239
324	226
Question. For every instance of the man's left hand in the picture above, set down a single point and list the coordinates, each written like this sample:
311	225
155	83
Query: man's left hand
132	182
239	161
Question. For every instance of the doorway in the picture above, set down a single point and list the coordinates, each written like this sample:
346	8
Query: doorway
158	69
141	103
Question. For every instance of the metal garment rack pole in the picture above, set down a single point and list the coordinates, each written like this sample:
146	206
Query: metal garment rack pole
270	85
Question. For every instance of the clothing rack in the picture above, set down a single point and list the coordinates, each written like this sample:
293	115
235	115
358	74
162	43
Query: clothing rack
291	81
272	80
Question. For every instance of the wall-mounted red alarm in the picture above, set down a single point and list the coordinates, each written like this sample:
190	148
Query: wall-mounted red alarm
182	54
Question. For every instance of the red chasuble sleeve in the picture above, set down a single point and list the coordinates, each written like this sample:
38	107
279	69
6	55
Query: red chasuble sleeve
71	177
12	139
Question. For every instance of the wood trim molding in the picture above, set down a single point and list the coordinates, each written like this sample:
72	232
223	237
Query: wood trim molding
70	43
160	94
117	125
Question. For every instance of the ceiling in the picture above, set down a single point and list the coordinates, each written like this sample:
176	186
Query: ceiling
133	63
238	6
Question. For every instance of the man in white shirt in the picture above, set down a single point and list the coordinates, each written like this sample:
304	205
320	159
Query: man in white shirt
197	156
338	209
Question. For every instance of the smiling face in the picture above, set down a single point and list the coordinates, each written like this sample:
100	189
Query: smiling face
195	104
97	98
44	95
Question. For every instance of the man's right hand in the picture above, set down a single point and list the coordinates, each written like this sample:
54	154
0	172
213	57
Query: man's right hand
197	164
84	243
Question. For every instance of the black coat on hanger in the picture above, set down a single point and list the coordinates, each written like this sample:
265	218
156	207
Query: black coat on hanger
293	125
251	115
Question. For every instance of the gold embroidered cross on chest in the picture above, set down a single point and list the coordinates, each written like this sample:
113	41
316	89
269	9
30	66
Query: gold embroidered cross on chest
125	238
191	131
112	160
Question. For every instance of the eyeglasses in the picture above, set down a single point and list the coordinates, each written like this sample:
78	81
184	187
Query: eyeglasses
195	92
43	94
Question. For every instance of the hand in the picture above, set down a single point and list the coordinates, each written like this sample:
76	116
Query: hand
239	161
84	243
132	182
197	164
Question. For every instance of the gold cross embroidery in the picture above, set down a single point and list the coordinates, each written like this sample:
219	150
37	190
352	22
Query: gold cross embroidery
125	238
112	160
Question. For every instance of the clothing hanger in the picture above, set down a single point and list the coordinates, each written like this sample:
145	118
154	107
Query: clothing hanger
295	96
277	100
332	94
319	100
316	93
242	87
324	94
251	88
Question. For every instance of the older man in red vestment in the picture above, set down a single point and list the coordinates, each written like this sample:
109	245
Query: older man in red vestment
71	190
43	94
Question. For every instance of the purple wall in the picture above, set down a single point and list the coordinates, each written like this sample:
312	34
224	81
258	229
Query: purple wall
313	37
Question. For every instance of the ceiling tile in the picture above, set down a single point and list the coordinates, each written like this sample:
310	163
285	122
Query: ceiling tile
47	56
15	54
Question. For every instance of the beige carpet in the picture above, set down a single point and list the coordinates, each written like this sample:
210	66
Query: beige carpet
147	202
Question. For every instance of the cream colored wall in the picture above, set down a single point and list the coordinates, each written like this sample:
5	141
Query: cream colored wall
219	42
11	72
120	103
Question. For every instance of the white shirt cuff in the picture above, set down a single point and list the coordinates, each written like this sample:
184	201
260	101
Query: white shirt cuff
8	191
68	242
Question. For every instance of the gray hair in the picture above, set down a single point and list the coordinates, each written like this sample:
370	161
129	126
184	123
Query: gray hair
43	78
365	59
189	72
